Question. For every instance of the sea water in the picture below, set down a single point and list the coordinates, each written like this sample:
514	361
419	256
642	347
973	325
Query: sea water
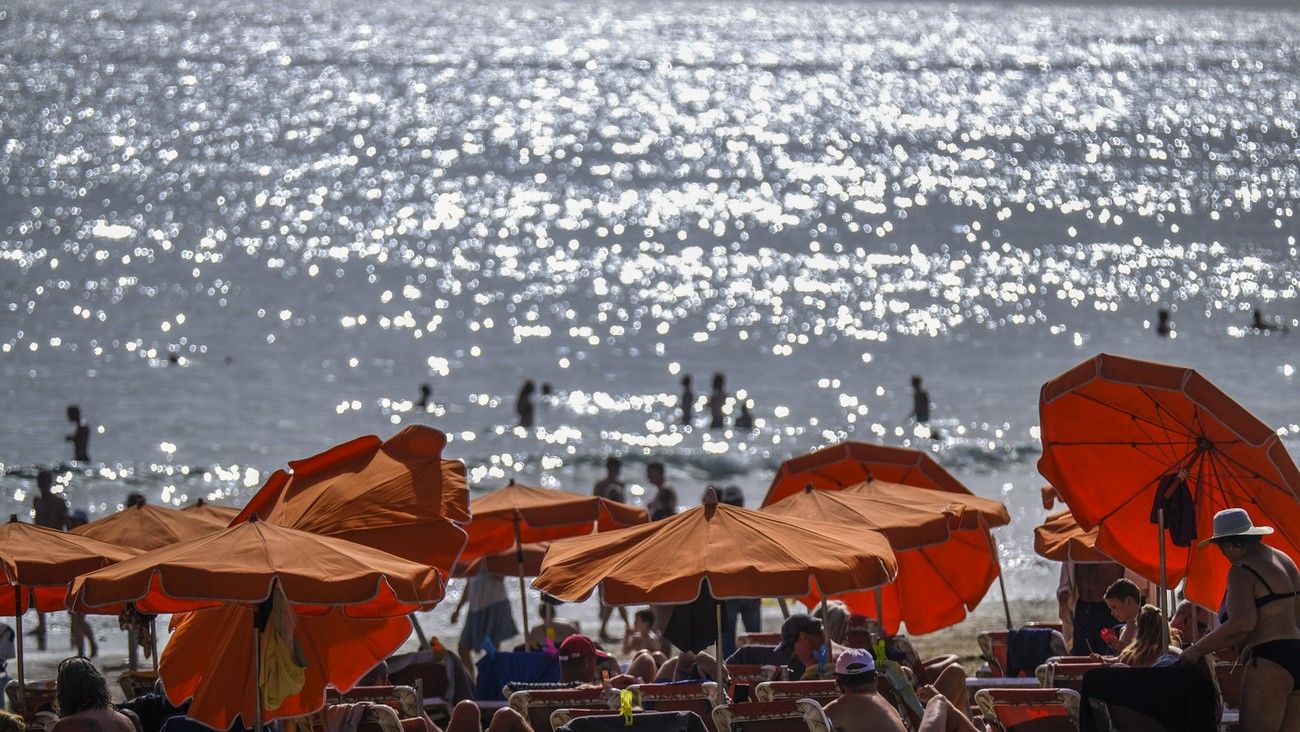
237	233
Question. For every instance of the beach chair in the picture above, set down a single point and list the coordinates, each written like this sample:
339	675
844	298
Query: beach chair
927	670
1068	675
820	691
752	675
858	637
590	721
758	639
1227	675
993	647
137	683
432	675
402	699
40	696
1029	710
379	718
699	697
536	706
785	715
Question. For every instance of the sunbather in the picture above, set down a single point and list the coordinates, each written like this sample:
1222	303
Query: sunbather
84	701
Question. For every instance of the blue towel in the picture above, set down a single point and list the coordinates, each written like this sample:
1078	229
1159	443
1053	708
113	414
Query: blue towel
1027	649
497	670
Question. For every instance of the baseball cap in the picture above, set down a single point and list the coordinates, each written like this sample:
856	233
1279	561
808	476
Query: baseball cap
580	646
854	661
799	623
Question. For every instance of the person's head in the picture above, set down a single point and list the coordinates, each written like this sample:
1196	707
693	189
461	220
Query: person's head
855	670
546	611
732	496
719	380
81	686
134	499
529	388
613	466
579	659
686	380
1235	534
546	388
916	382
837	621
44	481
10	722
802	634
654	472
425	390
644	620
744	406
1151	640
1124	599
74	413
1190	620
78	518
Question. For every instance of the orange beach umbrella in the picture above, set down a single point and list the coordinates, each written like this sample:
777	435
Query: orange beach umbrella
202	507
1061	539
43	561
506	564
847	463
515	515
945	563
396	495
742	554
319	576
146	527
1118	432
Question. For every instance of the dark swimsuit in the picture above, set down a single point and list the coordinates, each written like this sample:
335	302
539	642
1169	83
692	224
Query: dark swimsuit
1284	652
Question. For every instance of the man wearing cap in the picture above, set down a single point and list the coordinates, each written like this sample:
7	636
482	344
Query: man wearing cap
860	707
582	662
801	636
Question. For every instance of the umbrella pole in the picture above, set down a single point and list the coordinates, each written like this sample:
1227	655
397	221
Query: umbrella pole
153	642
1160	517
1002	584
523	591
257	675
18	623
419	633
880	609
717	644
785	609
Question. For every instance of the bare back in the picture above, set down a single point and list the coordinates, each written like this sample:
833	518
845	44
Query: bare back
863	712
95	720
1275	574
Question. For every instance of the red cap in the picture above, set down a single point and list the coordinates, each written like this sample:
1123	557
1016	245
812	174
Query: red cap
580	646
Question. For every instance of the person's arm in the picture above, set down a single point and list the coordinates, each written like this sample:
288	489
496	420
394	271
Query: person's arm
1241	618
464	597
628	641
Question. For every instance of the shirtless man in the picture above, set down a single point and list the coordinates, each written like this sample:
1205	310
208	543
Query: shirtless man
84	700
860	707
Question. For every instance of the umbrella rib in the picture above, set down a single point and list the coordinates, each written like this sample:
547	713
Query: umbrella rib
1119	409
1228	459
1172	456
1173	417
1102	443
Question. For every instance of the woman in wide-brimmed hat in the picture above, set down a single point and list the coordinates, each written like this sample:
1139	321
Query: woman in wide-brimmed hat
1260	618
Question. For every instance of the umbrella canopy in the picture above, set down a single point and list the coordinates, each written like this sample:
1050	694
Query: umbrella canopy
398	496
741	553
45	561
847	463
146	527
506	564
1061	539
330	584
542	514
945	561
1117	432
224	514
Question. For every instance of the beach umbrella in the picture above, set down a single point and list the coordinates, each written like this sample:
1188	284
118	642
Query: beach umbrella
202	507
1061	539
849	463
506	564
515	515
741	553
397	495
38	565
1148	452
945	561
232	574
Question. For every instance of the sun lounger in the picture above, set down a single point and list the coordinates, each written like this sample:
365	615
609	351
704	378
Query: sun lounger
758	639
927	670
821	691
39	695
699	697
1067	675
993	646
537	706
439	679
752	674
785	715
570	720
1039	710
137	683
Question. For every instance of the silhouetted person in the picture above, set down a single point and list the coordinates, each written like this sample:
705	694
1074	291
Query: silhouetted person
610	486
524	404
77	625
1162	323
134	499
52	513
1258	323
546	389
664	503
80	437
745	420
688	400
425	392
920	402
717	400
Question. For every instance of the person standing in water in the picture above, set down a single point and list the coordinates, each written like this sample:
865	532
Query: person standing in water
688	400
745	421
51	511
425	393
524	404
1163	326
664	503
717	402
80	437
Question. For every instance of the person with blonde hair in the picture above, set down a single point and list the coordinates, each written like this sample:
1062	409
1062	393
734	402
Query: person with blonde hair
1151	644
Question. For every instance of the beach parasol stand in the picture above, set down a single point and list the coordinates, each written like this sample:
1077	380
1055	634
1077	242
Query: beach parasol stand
739	552
1148	452
515	515
239	569
38	564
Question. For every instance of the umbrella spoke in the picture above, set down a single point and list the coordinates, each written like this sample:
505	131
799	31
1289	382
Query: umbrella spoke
1125	411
